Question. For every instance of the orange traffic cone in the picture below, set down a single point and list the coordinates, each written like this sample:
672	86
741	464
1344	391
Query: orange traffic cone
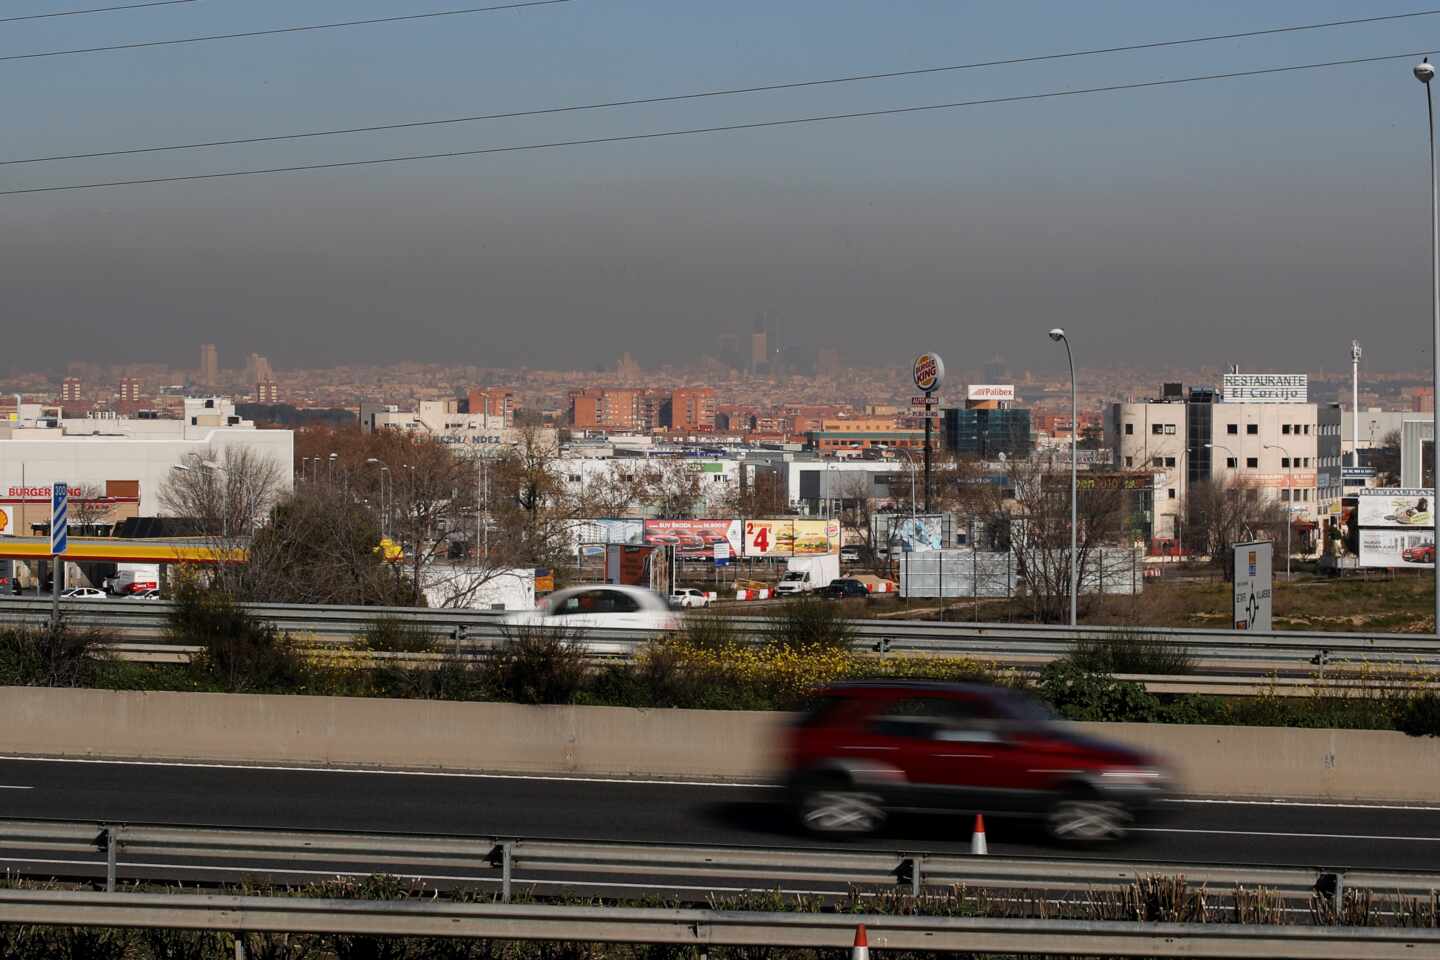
861	950
977	839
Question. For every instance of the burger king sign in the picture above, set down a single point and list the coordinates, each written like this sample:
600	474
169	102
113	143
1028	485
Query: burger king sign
929	371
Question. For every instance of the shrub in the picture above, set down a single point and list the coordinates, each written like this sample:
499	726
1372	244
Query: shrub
709	631
1420	716
807	622
537	665
396	635
238	651
50	656
1081	695
1132	651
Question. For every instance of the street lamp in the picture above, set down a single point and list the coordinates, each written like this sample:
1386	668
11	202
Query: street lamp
331	475
1058	335
1289	519
1221	446
1424	72
384	512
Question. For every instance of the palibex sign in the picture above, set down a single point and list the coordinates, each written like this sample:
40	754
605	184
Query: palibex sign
929	371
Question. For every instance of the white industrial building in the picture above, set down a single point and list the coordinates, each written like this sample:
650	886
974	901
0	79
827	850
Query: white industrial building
1268	445
127	459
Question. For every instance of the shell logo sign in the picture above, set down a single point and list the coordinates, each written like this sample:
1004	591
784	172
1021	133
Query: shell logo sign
928	371
4	521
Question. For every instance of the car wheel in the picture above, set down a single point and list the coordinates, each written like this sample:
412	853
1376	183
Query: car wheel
839	811
1081	820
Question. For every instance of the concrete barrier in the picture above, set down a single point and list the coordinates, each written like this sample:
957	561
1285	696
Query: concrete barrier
614	741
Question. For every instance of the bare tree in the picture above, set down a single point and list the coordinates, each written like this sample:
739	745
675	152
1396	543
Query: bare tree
1223	514
435	500
224	499
87	505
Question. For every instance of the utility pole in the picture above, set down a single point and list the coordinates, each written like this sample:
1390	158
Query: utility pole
1355	401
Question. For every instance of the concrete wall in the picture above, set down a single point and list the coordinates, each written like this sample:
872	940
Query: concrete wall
609	741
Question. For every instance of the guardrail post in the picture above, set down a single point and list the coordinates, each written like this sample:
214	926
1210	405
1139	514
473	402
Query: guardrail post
1331	884
107	841
507	860
910	870
240	947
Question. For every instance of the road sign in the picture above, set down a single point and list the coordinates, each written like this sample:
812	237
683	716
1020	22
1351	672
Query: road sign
59	518
1252	585
722	554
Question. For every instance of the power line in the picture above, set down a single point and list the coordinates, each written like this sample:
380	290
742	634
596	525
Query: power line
732	91
725	128
280	30
81	13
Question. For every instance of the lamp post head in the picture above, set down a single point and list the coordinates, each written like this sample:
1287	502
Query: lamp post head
1424	71
1057	334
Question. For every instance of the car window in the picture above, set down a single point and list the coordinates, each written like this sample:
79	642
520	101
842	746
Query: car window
923	717
598	601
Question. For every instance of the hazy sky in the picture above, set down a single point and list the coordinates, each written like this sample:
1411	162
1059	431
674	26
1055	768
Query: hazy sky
1261	221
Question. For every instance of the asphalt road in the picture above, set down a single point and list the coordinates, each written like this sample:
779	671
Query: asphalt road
1206	831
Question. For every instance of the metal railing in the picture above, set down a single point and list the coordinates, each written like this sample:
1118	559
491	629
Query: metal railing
476	631
83	849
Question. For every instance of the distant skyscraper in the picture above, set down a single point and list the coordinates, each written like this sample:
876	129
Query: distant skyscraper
759	351
259	368
827	362
70	390
267	391
130	389
209	365
995	371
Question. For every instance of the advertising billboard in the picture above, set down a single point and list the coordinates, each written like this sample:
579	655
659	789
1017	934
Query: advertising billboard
928	372
1391	547
1396	507
815	538
990	391
693	538
902	533
769	538
607	531
1266	388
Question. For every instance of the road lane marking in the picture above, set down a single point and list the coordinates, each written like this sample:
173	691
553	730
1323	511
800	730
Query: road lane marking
7	786
457	775
1320	804
1289	836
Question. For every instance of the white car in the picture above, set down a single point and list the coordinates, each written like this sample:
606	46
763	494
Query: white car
144	595
600	605
83	593
689	598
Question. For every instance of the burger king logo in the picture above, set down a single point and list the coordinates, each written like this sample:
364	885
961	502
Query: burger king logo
928	371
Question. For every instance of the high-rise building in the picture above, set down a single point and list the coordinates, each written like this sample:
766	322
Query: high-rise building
759	352
130	388
209	365
603	408
692	410
492	402
70	390
258	368
267	391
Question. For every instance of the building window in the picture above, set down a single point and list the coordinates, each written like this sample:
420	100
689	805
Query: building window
1285	428
1285	462
1169	429
1231	462
1172	493
1232	428
1285	493
1129	429
1306	493
1157	429
1252	429
1157	461
1129	461
1252	494
1169	461
1307	429
1252	462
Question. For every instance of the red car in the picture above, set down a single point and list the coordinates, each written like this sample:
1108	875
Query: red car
1424	553
869	748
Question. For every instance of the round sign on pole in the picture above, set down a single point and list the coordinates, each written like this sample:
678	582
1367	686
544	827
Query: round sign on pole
929	371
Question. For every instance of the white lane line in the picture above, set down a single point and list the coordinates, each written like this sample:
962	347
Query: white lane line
255	767
1319	804
7	786
1289	836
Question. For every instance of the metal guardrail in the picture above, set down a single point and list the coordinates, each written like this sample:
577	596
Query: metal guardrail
478	630
182	852
702	928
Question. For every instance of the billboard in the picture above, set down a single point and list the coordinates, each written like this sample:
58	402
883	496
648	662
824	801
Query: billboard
607	531
990	391
1391	547
693	538
906	534
814	538
1267	388
1396	507
628	565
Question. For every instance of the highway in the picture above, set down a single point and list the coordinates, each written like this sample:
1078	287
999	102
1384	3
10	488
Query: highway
1352	836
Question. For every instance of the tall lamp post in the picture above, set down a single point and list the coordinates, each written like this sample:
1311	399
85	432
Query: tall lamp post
1058	335
1289	518
1424	72
384	509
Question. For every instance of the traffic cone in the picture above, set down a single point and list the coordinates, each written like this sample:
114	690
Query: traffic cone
977	839
861	950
